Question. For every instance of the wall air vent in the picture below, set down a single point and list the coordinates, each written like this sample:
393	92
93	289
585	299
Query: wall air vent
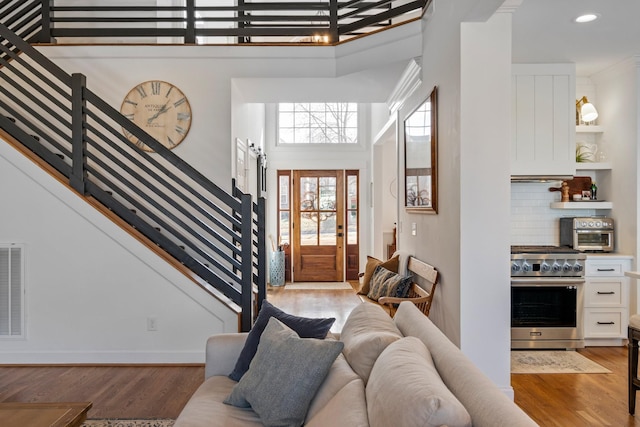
11	291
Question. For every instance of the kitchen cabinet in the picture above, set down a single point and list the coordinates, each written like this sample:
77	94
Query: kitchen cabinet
543	120
606	300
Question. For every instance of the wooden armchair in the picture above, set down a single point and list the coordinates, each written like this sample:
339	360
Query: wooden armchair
417	295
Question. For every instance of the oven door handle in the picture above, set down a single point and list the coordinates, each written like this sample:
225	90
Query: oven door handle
547	281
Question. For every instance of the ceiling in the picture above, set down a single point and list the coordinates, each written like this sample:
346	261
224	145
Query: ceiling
544	32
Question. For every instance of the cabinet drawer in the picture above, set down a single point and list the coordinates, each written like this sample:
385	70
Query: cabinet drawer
603	293
605	323
604	269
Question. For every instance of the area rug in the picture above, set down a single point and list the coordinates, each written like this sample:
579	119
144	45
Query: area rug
553	362
314	286
128	423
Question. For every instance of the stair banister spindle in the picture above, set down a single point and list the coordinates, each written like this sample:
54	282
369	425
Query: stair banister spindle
45	30
78	133
190	34
333	21
246	242
262	250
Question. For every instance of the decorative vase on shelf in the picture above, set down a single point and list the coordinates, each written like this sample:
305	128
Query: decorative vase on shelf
586	152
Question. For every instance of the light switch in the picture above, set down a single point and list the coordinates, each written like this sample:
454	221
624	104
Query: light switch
414	229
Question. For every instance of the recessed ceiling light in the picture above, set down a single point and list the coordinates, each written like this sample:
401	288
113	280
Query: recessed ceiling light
587	17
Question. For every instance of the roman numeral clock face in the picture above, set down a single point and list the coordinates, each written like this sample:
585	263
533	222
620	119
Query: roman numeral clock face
161	109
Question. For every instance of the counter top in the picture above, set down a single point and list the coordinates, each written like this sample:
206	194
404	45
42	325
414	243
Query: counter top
632	274
601	255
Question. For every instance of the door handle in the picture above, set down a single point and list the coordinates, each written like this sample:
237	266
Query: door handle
339	234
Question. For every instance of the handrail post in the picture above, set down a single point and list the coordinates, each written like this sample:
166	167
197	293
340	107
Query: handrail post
334	36
190	34
78	133
246	270
262	251
45	30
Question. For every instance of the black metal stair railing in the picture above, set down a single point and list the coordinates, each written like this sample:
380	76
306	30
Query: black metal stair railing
218	236
224	21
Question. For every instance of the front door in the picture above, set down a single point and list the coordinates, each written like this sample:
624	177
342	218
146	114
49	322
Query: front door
318	226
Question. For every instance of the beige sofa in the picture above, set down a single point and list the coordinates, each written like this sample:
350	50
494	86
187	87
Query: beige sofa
388	374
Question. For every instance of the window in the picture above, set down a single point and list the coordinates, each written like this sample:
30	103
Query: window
318	123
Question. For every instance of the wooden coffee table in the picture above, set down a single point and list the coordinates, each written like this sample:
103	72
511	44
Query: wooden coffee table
63	414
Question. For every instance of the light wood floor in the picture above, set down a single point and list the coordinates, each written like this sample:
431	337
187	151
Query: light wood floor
161	391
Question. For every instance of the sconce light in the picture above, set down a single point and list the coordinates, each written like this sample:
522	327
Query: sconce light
585	110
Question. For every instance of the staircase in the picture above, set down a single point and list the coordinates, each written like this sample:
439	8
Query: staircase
215	238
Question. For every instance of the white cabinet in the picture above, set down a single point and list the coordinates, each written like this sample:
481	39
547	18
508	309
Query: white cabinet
543	119
606	300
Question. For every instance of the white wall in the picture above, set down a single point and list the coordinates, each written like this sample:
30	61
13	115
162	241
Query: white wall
485	138
467	240
90	286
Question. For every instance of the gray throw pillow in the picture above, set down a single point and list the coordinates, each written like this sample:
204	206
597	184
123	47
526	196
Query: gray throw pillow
284	375
305	327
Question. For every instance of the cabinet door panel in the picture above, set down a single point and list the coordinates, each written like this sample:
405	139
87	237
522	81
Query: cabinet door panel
543	119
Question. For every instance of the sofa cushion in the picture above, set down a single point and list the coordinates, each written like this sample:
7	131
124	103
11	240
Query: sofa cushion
366	333
339	376
206	407
391	264
284	375
385	283
405	389
303	326
347	408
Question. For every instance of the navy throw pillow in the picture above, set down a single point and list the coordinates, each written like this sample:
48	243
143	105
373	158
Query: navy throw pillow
305	327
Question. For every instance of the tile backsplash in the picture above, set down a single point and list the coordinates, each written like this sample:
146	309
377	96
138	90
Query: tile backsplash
533	222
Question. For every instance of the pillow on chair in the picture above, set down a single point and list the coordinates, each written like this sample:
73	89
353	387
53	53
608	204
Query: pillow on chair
390	264
385	283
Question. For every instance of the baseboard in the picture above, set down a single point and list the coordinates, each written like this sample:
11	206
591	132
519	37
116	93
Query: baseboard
102	357
508	391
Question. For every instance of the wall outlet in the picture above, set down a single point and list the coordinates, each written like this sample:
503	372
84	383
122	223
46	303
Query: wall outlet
152	323
414	229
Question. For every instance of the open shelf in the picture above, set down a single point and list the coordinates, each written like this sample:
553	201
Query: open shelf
589	129
593	166
582	205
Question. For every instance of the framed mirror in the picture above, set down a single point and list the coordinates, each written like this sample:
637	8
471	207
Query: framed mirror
421	157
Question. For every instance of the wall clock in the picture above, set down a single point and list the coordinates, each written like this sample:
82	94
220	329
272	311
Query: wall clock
161	109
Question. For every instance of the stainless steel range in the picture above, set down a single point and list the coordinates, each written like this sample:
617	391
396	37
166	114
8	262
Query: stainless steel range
547	293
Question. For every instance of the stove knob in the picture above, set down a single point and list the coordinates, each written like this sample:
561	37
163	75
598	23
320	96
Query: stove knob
526	267
583	224
566	267
515	267
577	267
545	267
598	224
591	224
556	267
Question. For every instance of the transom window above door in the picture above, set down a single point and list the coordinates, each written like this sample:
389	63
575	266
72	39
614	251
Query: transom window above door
318	123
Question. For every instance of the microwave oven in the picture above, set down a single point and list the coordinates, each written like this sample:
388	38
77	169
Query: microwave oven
589	234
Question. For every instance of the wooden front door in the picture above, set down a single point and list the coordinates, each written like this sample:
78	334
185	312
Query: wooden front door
318	226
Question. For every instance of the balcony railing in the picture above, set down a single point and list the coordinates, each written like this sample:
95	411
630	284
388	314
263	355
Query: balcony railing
210	21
